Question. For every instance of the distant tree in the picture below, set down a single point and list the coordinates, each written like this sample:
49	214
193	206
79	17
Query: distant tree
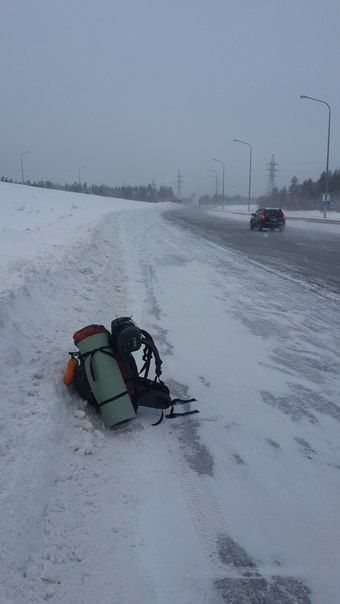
334	181
308	188
294	187
283	197
166	193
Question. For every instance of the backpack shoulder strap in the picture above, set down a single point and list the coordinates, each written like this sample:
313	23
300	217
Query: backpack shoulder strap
150	349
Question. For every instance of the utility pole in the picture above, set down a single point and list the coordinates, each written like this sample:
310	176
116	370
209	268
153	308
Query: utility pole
272	171
223	177
216	184
236	140
180	181
79	173
326	196
22	165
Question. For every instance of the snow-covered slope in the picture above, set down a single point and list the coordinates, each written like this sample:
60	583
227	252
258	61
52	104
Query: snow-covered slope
238	504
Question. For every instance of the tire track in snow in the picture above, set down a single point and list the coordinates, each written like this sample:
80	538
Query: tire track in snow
202	505
236	576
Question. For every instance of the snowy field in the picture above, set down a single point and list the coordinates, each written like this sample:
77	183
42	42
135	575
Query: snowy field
238	504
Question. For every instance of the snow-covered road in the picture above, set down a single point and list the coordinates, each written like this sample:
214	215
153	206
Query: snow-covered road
236	504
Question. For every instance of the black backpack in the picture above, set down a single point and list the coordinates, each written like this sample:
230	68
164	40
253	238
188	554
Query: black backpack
125	339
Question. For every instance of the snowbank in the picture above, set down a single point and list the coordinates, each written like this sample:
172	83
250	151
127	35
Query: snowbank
37	225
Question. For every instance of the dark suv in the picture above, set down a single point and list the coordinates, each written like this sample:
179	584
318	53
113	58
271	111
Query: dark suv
268	218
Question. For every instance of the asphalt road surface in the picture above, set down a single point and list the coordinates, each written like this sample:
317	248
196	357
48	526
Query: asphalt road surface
309	254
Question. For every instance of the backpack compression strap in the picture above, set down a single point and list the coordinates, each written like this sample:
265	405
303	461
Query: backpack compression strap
91	354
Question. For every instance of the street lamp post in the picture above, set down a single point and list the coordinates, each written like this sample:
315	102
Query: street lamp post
214	172
22	165
236	140
79	173
223	164
304	96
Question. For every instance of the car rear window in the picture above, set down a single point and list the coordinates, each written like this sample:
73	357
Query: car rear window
273	213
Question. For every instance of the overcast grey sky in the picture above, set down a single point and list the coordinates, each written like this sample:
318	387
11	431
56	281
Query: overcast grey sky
137	89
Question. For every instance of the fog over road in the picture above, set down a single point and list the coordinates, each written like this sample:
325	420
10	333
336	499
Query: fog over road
312	255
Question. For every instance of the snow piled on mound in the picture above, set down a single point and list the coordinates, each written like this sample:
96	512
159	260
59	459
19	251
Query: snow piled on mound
38	224
61	268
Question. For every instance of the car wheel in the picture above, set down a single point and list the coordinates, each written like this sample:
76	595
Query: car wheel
251	227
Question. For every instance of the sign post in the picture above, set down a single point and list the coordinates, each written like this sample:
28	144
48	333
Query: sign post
326	201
